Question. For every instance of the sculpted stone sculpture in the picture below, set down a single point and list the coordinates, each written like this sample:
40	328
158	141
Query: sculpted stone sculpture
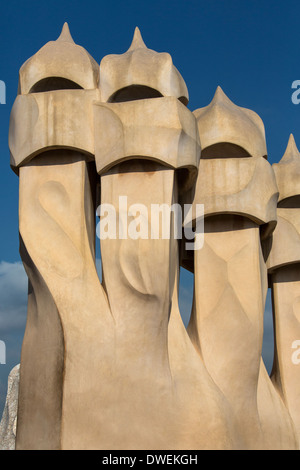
110	365
284	272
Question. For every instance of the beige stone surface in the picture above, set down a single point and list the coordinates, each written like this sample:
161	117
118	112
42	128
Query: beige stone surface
158	368
45	121
109	365
68	312
241	186
287	171
238	189
192	382
116	357
226	325
160	129
8	423
234	176
139	287
275	420
287	233
284	272
147	73
284	247
222	123
60	63
285	374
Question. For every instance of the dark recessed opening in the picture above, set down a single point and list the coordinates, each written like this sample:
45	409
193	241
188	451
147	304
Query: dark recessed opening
224	150
54	83
292	202
183	100
134	92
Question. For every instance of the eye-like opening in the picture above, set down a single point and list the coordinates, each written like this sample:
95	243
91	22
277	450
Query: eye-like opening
54	83
292	202
183	100
224	150
134	92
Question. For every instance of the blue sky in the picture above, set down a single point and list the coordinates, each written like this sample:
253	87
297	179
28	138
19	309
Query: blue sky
250	48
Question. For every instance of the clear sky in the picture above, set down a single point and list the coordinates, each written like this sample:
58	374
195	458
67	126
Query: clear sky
251	48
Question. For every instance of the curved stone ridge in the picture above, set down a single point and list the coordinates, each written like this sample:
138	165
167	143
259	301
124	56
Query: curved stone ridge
287	171
140	66
59	64
234	176
223	123
41	122
287	232
161	129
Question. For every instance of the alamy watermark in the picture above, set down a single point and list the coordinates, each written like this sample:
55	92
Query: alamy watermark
160	221
2	352
296	353
296	94
2	92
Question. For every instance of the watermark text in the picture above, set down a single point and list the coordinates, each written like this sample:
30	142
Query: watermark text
2	92
296	93
296	353
2	352
159	221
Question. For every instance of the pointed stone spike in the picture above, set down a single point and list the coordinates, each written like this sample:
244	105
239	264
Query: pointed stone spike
224	121
219	92
291	151
61	58
65	34
220	96
141	66
287	171
137	41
